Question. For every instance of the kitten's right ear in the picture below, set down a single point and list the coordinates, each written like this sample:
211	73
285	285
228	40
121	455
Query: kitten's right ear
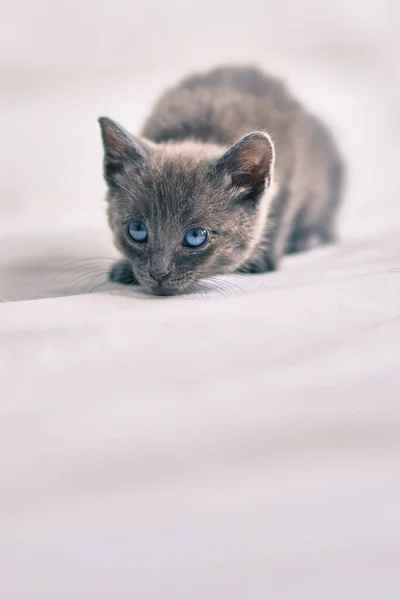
120	149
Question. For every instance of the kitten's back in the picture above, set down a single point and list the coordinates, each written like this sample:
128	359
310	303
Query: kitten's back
220	106
225	104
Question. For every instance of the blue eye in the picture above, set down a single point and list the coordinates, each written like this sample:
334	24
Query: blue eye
195	237
138	231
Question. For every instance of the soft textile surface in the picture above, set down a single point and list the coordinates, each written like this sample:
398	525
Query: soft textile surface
239	444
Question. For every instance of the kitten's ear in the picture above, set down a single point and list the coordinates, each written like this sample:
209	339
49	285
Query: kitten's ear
250	162
120	148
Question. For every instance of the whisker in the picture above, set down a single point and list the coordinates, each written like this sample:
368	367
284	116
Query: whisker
76	264
192	291
96	287
116	287
207	287
215	287
250	277
230	287
199	291
90	274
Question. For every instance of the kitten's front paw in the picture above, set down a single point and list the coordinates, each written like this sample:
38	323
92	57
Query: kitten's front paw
259	265
121	271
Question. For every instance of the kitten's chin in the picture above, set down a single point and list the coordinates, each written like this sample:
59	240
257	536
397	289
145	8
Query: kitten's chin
162	291
165	289
168	287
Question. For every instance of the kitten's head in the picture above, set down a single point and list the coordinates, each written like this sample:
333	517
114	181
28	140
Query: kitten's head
184	211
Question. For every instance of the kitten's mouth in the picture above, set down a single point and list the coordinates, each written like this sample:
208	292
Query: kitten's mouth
164	288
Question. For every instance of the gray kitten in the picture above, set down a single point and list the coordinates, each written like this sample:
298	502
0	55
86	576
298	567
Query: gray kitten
206	190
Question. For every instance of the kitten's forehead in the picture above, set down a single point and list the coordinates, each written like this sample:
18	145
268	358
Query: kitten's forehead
177	185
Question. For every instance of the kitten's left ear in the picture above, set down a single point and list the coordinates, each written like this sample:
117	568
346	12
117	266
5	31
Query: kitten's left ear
120	148
250	162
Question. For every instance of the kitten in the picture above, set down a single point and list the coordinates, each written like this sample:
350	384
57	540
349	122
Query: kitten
230	173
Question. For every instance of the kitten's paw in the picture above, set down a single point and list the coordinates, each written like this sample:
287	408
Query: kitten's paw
121	271
259	265
302	241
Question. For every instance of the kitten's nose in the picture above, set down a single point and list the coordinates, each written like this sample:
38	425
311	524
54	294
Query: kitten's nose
159	275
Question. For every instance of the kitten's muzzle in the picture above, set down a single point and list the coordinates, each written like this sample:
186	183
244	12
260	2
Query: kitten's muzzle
159	275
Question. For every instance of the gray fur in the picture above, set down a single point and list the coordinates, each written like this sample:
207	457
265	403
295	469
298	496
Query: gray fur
204	158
